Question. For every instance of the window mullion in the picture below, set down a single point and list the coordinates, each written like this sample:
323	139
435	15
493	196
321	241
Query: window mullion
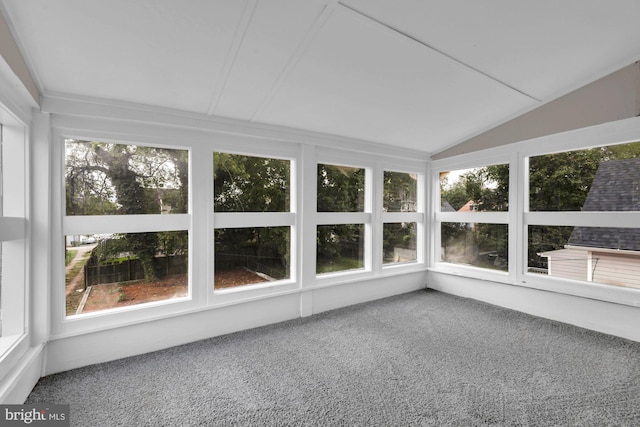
331	218
253	219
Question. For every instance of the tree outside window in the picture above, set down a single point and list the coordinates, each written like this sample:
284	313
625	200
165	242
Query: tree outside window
112	179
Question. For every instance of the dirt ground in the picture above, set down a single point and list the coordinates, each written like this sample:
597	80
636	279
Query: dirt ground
236	277
114	295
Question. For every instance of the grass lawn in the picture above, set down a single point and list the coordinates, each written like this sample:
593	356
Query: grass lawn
69	255
338	264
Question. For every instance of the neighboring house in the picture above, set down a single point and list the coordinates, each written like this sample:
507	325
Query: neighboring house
607	255
446	207
470	206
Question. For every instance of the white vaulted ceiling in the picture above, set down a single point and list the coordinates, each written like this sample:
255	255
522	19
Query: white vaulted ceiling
409	73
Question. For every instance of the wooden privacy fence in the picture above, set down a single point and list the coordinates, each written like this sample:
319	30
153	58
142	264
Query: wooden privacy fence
131	269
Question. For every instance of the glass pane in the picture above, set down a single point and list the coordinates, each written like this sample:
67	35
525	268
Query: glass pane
605	255
597	179
116	270
400	192
476	244
246	256
106	179
340	247
1	213
483	189
250	184
399	242
340	189
543	239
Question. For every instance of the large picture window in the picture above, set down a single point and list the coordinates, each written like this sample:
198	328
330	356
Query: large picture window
341	230
401	218
14	195
253	220
595	240
474	205
126	225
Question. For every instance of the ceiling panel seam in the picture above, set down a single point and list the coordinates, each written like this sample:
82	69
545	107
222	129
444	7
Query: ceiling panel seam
302	48
10	19
406	36
230	60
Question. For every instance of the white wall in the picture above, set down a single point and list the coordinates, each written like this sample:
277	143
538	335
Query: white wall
610	318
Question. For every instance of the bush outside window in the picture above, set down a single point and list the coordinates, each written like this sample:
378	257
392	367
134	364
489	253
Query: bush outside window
340	248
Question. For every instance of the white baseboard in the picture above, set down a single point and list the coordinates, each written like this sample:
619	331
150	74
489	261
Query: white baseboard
65	353
16	386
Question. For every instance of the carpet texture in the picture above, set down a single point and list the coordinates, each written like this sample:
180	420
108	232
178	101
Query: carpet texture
423	358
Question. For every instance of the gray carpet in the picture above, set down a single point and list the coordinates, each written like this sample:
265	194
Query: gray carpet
423	358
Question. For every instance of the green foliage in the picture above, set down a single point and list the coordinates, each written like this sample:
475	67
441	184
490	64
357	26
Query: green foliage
250	184
557	182
105	179
264	249
561	182
69	255
340	189
337	243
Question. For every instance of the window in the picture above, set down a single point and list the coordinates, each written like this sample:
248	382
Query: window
13	227
400	222
473	227
126	225
475	244
342	222
583	205
253	220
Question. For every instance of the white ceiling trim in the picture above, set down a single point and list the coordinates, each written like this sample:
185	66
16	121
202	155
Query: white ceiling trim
82	107
295	58
241	32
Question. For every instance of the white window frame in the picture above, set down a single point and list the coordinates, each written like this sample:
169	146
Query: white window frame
336	157
219	220
14	233
63	225
417	217
614	133
475	160
519	218
373	216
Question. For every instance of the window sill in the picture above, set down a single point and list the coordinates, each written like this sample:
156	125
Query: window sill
595	291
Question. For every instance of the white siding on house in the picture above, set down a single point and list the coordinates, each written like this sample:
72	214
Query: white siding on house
568	264
616	269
